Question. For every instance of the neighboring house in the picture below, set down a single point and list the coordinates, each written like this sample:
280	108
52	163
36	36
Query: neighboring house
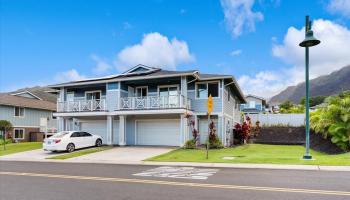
254	104
30	113
149	106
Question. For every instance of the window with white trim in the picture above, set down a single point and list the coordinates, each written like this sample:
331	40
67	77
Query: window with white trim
206	89
18	133
19	111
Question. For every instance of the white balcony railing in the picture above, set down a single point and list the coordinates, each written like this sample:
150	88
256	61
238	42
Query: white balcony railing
81	106
153	102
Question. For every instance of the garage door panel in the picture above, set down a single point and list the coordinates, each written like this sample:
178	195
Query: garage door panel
160	132
96	128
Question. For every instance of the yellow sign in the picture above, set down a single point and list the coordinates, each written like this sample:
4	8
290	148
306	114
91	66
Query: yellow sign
210	104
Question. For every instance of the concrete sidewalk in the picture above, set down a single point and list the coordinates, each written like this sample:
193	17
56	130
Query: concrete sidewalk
208	165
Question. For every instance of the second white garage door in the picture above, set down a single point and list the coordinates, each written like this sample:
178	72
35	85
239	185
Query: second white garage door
158	132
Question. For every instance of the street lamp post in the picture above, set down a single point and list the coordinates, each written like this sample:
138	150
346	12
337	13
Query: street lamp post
309	41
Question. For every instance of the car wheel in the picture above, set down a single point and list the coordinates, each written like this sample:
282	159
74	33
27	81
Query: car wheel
70	147
98	143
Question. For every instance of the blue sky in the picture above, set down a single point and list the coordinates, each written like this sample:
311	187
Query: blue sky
44	42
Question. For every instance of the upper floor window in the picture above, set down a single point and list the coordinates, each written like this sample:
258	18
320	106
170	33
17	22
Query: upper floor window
141	91
168	90
19	111
206	89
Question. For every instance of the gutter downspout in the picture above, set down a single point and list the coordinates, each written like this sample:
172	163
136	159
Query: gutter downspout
196	77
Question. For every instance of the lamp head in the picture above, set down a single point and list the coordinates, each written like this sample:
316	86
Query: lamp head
309	40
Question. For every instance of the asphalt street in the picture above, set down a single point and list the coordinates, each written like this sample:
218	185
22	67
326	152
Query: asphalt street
40	180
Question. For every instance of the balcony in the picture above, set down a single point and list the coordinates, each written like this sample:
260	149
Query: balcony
154	102
82	106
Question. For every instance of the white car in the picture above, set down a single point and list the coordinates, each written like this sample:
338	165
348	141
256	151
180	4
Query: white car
71	140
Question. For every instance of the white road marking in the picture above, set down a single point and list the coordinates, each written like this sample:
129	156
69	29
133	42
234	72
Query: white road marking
179	172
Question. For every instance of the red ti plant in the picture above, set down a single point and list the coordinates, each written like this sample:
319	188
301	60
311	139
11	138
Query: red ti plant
195	132
212	130
245	131
242	131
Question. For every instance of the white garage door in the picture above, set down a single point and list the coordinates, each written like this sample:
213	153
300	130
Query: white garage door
96	128
159	132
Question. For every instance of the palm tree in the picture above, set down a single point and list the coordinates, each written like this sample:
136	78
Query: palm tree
5	126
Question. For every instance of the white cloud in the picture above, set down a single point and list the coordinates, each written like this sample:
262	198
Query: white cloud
70	75
339	7
239	16
332	54
236	52
155	50
264	83
102	66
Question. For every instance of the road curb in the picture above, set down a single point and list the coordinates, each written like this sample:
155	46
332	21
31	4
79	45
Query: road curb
209	165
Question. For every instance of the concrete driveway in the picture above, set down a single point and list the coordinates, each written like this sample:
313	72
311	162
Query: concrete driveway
122	155
33	155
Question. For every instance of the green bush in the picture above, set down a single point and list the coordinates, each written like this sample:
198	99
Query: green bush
190	144
333	120
215	143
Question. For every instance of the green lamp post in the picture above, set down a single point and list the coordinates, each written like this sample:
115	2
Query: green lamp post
309	41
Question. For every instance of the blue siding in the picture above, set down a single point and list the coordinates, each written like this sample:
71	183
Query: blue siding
200	105
31	116
112	86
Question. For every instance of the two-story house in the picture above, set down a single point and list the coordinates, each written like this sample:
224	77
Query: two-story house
30	112
254	104
149	106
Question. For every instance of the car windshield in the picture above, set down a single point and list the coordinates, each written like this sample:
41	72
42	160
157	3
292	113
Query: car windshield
60	134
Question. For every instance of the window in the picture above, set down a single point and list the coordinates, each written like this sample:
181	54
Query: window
75	134
93	95
141	91
19	111
18	133
168	91
70	96
206	89
228	96
85	134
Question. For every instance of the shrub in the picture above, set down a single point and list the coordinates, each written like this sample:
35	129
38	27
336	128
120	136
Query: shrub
215	143
333	120
190	144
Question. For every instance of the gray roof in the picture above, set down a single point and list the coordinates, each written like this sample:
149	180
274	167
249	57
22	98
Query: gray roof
153	73
12	100
43	93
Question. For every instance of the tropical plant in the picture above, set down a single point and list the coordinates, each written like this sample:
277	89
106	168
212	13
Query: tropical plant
5	127
190	144
214	141
333	120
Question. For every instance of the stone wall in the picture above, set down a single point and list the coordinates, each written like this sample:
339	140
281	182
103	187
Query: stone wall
295	136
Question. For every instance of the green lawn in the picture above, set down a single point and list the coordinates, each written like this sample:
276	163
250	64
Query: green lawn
81	152
19	147
255	153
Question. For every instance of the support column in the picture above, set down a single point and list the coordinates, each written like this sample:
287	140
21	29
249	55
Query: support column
109	130
183	92
184	130
122	130
60	124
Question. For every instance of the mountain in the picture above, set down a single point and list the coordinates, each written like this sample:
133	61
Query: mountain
326	85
